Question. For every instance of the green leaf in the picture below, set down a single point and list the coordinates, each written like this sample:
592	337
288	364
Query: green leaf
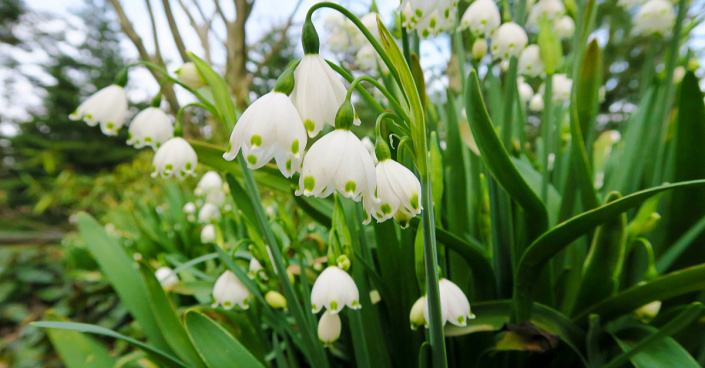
550	46
662	288
498	162
588	95
688	206
221	93
662	353
84	327
493	315
534	178
215	345
76	349
675	250
267	175
683	320
549	244
167	319
120	271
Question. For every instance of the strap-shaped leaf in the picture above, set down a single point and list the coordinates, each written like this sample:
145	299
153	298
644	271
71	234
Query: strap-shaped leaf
221	94
497	159
666	352
167	319
119	268
549	244
215	345
169	359
76	349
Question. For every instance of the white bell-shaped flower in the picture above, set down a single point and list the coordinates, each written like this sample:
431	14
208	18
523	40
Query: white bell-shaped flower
565	27
318	92
175	157
530	61
398	190
189	75
269	128
208	234
370	148
189	208
549	10
255	267
655	17
366	58
229	291
455	307
428	17
151	127
106	107
482	18
339	161
525	92
416	317
562	86
166	277
536	103
210	181
209	212
509	40
329	328
334	289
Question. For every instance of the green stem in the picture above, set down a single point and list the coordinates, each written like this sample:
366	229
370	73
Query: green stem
388	115
510	86
546	135
436	334
366	95
385	92
366	32
307	332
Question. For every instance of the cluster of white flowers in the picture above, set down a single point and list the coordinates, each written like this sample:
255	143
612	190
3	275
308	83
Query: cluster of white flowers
655	17
428	17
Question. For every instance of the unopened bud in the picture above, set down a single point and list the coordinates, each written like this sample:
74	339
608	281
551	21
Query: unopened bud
275	300
416	316
479	49
189	75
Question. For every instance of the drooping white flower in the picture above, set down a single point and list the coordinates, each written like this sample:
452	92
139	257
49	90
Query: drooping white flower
416	316
370	148
455	307
530	61
565	27
106	107
561	88
208	234
269	128
318	92
536	103
255	267
166	277
329	328
398	190
525	92
175	157
189	208
509	40
482	18
189	75
549	10
428	17
655	17
339	161
209	212
366	57
229	291
334	289
151	127
210	181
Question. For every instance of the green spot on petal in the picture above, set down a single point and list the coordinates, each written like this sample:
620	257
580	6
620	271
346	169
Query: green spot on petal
350	186
295	147
426	33
309	183
461	319
313	308
252	159
256	140
415	202
227	304
147	139
168	166
110	125
309	125
386	208
334	305
158	144
89	116
189	166
433	23
129	136
419	13
288	165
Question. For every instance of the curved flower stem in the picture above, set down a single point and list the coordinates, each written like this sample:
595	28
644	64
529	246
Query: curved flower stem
170	79
404	145
366	95
396	120
385	92
177	126
366	32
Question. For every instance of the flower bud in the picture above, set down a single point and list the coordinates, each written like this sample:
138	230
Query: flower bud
208	234
189	75
345	116
166	277
343	262
530	61
416	316
536	103
648	312
275	300
479	49
565	27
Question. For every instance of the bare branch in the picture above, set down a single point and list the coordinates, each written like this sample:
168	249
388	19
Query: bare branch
175	30
157	51
221	12
200	11
277	46
201	30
